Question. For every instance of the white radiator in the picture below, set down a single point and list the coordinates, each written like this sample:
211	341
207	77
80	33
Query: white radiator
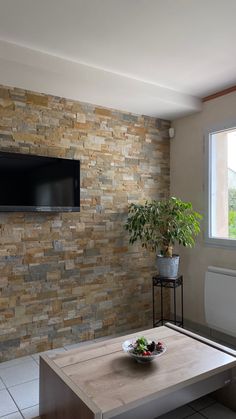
220	299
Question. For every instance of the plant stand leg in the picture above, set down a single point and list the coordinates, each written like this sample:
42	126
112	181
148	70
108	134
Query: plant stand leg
153	304
162	319
182	301
175	304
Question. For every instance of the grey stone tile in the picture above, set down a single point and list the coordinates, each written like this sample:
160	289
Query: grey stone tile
13	362
202	403
218	411
2	385
180	413
21	373
16	415
26	395
31	412
7	405
195	416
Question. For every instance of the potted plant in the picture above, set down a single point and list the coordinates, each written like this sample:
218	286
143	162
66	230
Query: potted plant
161	224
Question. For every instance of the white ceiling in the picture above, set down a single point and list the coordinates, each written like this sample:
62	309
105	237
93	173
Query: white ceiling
155	57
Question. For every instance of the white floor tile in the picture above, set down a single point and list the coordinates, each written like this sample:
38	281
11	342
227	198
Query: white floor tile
7	405
26	395
16	415
180	413
202	403
21	373
31	412
218	411
50	353
2	386
14	362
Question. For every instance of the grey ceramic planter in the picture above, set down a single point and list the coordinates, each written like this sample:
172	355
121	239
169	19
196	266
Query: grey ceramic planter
168	266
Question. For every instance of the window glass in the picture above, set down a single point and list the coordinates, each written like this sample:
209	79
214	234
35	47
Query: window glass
222	190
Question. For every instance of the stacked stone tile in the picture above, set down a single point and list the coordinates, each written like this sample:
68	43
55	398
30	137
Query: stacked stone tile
67	277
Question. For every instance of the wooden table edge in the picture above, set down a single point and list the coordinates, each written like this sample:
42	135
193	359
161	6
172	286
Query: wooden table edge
45	360
200	338
154	396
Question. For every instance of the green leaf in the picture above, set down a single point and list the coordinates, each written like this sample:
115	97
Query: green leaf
160	224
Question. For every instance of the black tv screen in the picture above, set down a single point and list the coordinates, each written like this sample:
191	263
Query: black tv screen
38	183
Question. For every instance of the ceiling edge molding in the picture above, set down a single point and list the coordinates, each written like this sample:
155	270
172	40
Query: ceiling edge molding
218	94
33	70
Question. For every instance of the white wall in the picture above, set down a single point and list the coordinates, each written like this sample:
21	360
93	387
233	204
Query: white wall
45	73
187	182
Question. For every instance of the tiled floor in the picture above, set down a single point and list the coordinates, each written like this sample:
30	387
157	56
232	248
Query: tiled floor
205	407
19	387
19	393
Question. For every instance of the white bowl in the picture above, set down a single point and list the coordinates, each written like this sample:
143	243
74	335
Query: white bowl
143	359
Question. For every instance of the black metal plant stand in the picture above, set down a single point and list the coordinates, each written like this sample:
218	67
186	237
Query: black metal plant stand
173	283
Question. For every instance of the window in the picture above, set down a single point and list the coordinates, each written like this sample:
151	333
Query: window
222	187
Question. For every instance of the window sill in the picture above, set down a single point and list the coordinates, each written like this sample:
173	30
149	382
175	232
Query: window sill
223	243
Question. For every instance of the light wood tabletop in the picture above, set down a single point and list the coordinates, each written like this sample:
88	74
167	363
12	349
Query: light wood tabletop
111	382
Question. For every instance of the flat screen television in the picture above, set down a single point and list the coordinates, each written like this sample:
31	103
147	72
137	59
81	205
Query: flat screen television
38	183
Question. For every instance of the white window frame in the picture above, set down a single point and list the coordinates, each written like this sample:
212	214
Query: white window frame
209	240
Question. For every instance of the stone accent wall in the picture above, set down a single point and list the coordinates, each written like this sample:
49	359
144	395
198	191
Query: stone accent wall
68	277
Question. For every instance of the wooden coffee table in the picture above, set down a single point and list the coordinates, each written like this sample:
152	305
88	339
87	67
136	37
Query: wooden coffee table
100	381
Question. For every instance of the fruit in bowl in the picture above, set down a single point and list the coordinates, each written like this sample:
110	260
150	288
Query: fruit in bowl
143	350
